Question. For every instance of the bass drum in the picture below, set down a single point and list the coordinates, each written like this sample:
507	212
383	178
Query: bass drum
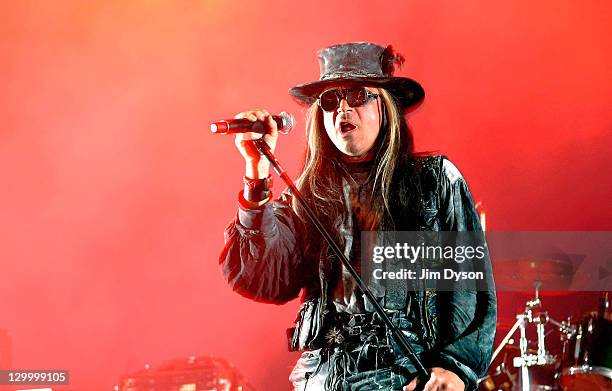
587	356
498	380
540	378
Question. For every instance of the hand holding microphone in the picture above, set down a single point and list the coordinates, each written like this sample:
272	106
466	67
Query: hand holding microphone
251	125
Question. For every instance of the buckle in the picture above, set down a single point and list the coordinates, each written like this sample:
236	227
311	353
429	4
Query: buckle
358	319
355	330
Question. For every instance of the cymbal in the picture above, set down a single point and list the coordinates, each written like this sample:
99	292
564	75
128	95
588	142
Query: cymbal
523	273
529	292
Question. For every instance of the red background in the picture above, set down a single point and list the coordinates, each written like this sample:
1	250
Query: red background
114	194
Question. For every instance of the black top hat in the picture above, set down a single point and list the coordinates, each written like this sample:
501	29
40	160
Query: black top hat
362	63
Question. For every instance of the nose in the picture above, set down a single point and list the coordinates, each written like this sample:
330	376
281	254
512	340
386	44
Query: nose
344	106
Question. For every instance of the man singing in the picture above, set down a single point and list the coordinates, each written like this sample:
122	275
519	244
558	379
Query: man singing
360	174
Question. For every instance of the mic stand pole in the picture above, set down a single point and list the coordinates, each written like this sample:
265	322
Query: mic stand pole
399	337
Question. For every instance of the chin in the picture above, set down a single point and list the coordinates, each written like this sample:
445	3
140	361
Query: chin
351	150
351	153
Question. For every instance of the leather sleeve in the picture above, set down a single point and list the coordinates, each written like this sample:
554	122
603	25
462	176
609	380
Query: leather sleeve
466	345
263	254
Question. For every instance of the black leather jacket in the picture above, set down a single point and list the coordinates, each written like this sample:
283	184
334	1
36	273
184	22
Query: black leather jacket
266	258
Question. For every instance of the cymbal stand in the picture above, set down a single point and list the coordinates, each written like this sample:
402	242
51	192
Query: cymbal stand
526	360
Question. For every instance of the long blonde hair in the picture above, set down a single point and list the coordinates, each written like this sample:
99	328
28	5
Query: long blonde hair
320	181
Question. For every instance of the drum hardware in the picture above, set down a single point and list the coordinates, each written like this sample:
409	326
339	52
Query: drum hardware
587	352
536	369
604	306
586	360
566	328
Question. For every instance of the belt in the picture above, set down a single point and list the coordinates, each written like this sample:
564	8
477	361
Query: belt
348	329
368	323
362	339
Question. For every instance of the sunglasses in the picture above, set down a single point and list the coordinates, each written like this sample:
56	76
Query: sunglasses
355	97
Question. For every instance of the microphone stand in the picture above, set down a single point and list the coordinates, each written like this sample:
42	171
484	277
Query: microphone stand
399	337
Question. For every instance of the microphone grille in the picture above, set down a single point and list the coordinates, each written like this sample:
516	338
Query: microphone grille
288	121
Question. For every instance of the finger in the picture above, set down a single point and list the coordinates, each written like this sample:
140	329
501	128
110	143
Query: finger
241	137
271	124
261	116
246	115
432	384
412	385
265	117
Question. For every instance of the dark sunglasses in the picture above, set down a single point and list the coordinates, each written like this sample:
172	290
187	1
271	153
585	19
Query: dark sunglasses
355	97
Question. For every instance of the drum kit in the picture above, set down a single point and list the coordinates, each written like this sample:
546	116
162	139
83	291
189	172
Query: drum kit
584	363
191	374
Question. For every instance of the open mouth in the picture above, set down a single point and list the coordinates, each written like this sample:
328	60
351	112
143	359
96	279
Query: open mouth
346	127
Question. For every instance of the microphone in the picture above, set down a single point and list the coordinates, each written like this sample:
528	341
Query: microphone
284	122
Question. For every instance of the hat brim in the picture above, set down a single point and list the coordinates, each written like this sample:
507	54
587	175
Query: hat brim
408	93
